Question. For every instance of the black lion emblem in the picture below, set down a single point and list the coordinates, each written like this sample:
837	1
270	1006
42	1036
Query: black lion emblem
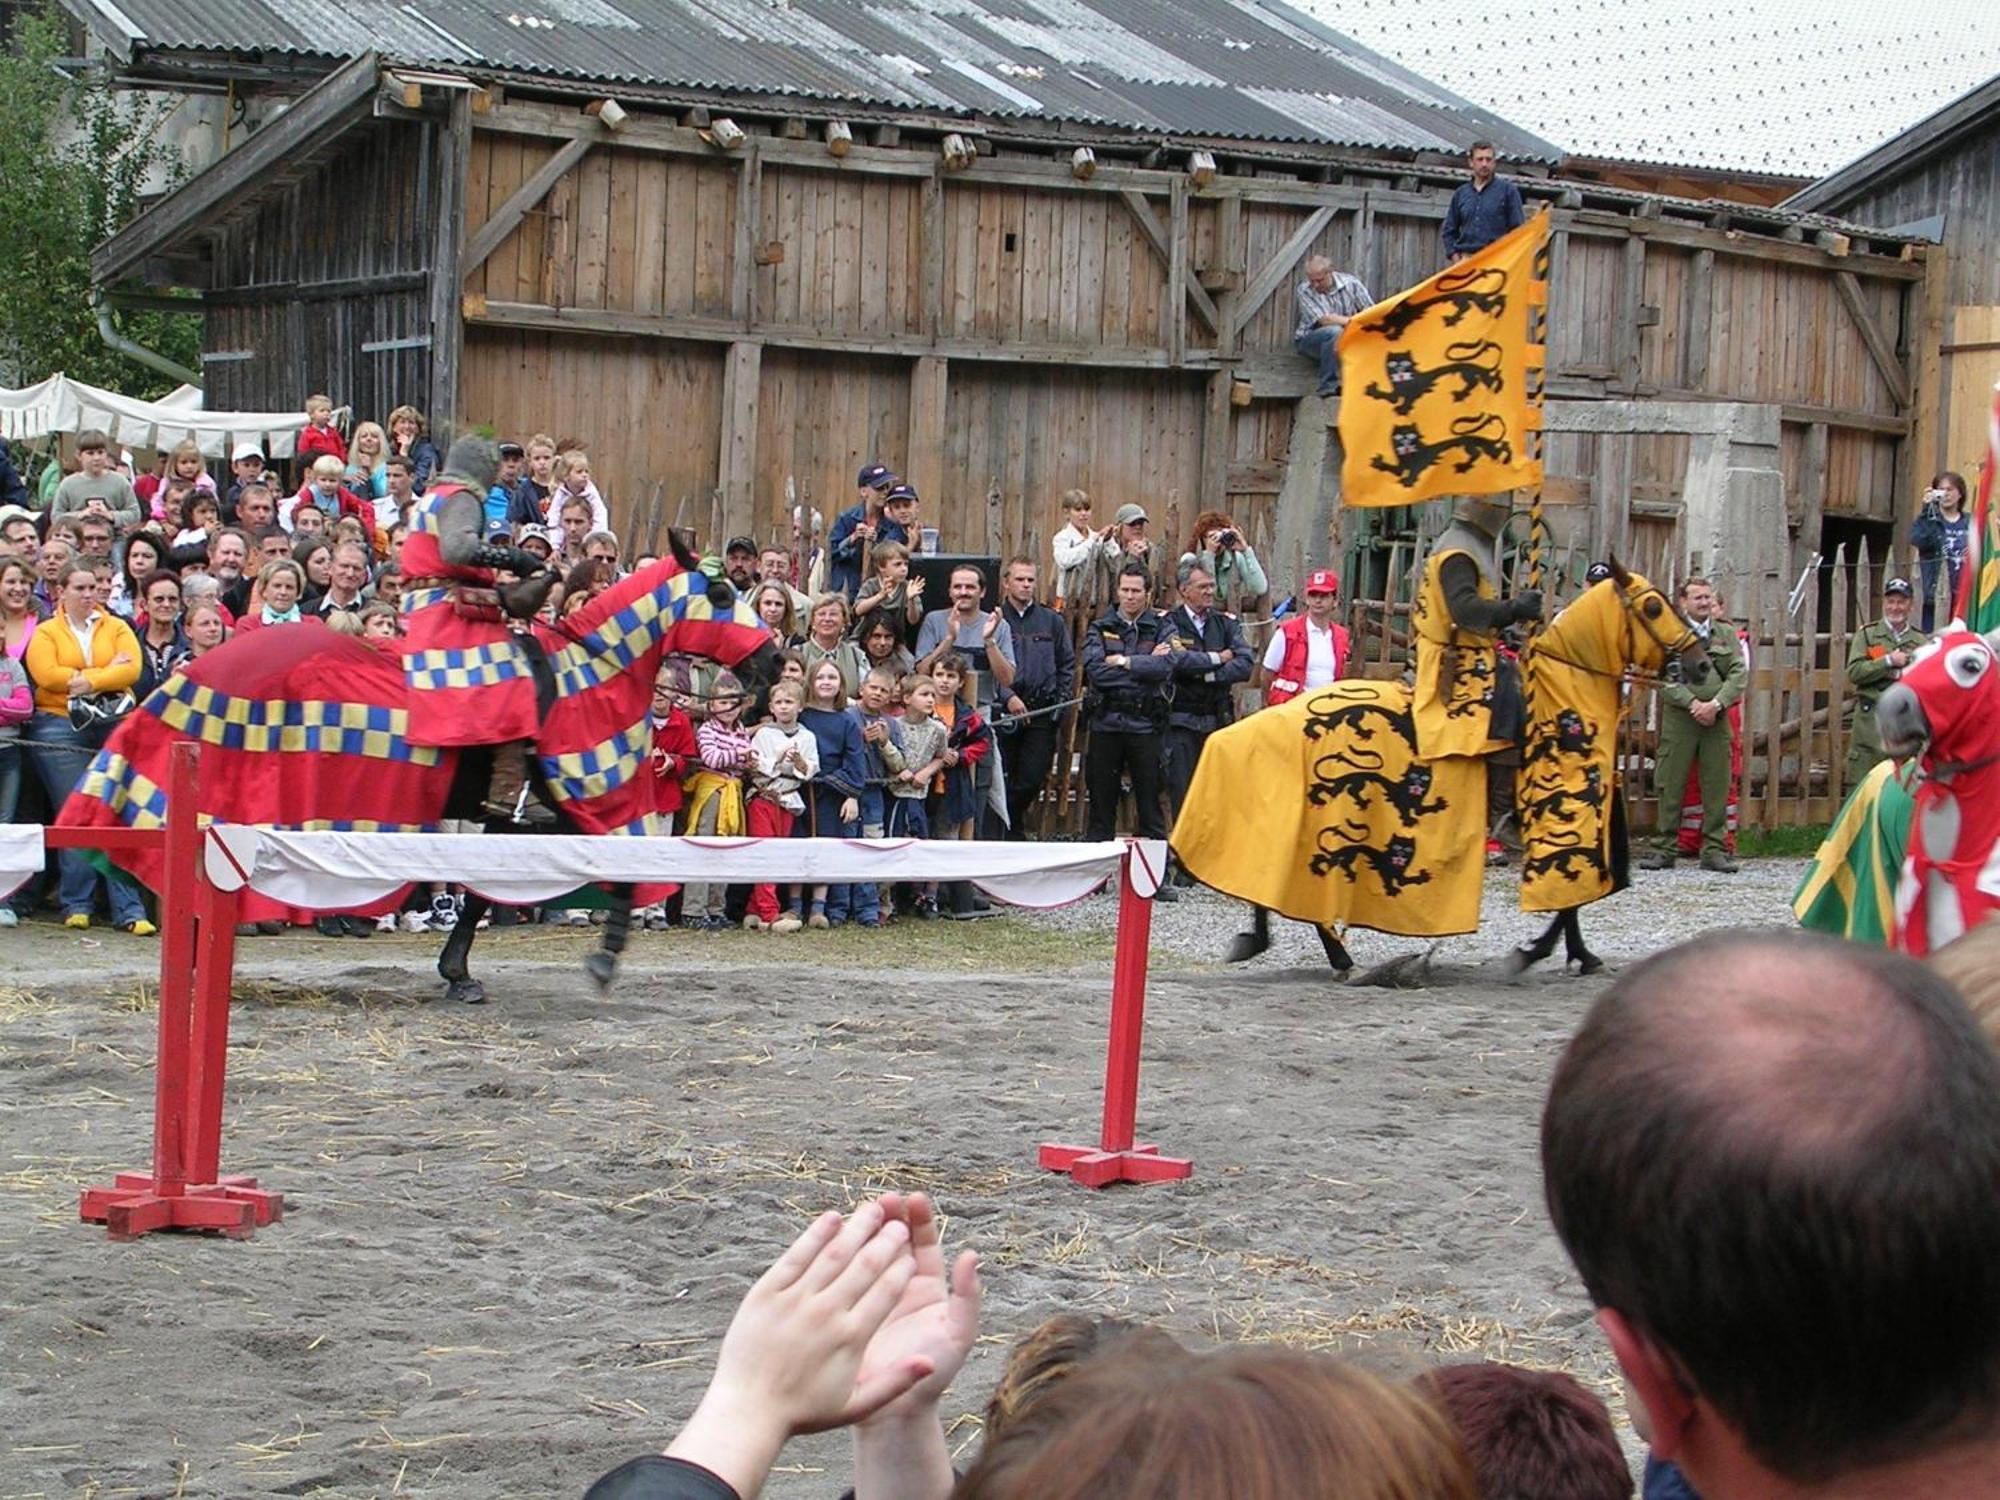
1473	438
1409	796
1472	365
1391	865
1463	292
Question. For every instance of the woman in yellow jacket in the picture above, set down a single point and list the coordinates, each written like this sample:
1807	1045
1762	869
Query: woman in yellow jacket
81	648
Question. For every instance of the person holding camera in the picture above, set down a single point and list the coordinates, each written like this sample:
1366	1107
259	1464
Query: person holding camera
1940	533
1217	545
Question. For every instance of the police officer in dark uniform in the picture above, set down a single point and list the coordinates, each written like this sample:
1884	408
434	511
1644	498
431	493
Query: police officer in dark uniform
1128	662
1212	657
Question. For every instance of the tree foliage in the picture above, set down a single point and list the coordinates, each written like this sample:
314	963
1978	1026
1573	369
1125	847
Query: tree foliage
75	155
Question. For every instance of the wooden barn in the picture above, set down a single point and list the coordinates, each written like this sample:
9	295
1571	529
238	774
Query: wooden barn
1007	246
1940	180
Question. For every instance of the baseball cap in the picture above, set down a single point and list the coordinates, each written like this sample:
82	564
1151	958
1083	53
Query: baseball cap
1323	581
1898	586
537	534
875	477
740	544
513	450
1129	514
1597	572
15	513
900	492
499	529
245	450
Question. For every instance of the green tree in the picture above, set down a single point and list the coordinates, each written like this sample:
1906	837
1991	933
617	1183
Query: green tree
74	155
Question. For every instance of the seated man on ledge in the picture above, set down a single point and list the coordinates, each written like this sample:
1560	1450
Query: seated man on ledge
1327	299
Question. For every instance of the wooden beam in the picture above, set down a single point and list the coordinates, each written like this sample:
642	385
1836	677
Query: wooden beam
932	234
1625	321
1277	268
1179	276
736	465
1163	240
923	455
452	142
1216	445
749	236
1695	337
489	236
1927	443
1880	349
312	125
1812	485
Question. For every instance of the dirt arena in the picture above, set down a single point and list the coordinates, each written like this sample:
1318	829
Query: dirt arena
515	1232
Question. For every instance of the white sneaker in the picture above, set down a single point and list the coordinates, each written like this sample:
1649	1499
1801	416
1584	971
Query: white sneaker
444	913
576	917
8	917
386	922
416	921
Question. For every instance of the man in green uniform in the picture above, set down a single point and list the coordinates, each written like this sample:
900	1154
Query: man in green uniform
1694	730
1875	658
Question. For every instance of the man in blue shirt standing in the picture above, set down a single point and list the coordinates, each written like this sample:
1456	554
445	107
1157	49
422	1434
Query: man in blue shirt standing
1483	209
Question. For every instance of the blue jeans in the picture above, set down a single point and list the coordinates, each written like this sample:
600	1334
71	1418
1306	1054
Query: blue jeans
10	780
1928	569
1319	344
61	757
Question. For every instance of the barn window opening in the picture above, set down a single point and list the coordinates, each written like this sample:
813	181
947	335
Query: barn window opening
1007	242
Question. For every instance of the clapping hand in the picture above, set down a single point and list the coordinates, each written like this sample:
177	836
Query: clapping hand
936	1318
992	626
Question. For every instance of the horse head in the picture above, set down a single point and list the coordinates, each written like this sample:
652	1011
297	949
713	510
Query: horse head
1946	705
1657	629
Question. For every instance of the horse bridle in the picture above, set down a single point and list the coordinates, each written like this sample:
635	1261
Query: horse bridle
1630	603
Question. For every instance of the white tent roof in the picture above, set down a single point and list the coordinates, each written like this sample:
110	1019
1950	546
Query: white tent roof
60	404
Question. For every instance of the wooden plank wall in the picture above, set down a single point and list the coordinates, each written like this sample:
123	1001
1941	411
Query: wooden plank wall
359	216
1044	315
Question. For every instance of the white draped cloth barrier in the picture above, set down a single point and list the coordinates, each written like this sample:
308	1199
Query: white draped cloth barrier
60	404
21	854
331	871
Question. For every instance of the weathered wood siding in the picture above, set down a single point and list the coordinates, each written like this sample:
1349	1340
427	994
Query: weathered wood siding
336	261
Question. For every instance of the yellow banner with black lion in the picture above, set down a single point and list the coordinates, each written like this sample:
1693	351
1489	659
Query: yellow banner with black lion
1440	388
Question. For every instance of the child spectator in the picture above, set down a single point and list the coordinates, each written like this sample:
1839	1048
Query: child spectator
891	595
1077	548
715	794
882	747
186	468
836	805
149	485
573	483
967	741
406	437
381	622
784	757
319	435
530	505
96	488
246	463
923	757
198	518
366	457
675	756
1530	1432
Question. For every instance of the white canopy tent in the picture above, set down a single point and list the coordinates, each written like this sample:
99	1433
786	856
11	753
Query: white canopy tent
59	405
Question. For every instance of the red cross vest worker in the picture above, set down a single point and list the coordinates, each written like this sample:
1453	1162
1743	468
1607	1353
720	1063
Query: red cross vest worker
472	679
1307	651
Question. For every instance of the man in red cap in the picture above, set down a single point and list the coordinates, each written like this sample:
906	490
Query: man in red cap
1308	651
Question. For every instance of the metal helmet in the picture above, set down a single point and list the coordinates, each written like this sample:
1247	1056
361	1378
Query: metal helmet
1489	516
474	462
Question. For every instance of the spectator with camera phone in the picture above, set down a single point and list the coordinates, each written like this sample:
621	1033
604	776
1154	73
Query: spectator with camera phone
1939	534
1218	547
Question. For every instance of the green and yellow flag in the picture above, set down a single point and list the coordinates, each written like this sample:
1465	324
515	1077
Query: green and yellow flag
1849	889
1441	390
1978	602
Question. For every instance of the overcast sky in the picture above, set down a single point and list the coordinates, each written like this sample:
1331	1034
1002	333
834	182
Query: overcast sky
1786	86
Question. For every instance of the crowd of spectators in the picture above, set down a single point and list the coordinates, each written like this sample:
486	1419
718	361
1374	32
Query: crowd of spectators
915	716
1770	1156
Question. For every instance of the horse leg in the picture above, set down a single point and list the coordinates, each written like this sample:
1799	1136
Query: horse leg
602	966
1336	951
452	963
1530	953
1573	949
1247	945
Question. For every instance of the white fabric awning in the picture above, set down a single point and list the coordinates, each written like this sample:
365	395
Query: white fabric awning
21	854
60	404
330	871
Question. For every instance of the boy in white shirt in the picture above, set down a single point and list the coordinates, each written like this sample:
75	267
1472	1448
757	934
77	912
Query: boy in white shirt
1077	548
784	756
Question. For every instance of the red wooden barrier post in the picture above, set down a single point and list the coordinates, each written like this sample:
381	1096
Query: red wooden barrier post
183	1191
1118	1156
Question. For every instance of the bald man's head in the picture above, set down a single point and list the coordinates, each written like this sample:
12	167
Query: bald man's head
1778	1156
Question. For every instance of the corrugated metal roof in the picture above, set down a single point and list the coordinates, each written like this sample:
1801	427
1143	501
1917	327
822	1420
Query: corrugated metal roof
1252	69
1785	87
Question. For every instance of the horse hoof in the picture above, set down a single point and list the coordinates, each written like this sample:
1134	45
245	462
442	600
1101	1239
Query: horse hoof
1590	963
1520	960
602	968
465	991
1246	946
1337	957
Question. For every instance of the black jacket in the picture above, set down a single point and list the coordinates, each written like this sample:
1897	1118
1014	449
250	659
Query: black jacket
1202	699
1133	698
1044	659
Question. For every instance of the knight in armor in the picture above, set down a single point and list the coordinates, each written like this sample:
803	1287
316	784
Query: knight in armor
473	678
1468	698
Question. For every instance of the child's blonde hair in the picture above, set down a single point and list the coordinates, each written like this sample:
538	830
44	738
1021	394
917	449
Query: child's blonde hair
344	622
1074	500
789	690
319	401
827	664
887	552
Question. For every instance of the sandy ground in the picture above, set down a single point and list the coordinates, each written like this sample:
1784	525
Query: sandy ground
516	1232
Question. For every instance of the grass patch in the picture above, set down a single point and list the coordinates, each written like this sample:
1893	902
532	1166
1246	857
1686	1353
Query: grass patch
1780	843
